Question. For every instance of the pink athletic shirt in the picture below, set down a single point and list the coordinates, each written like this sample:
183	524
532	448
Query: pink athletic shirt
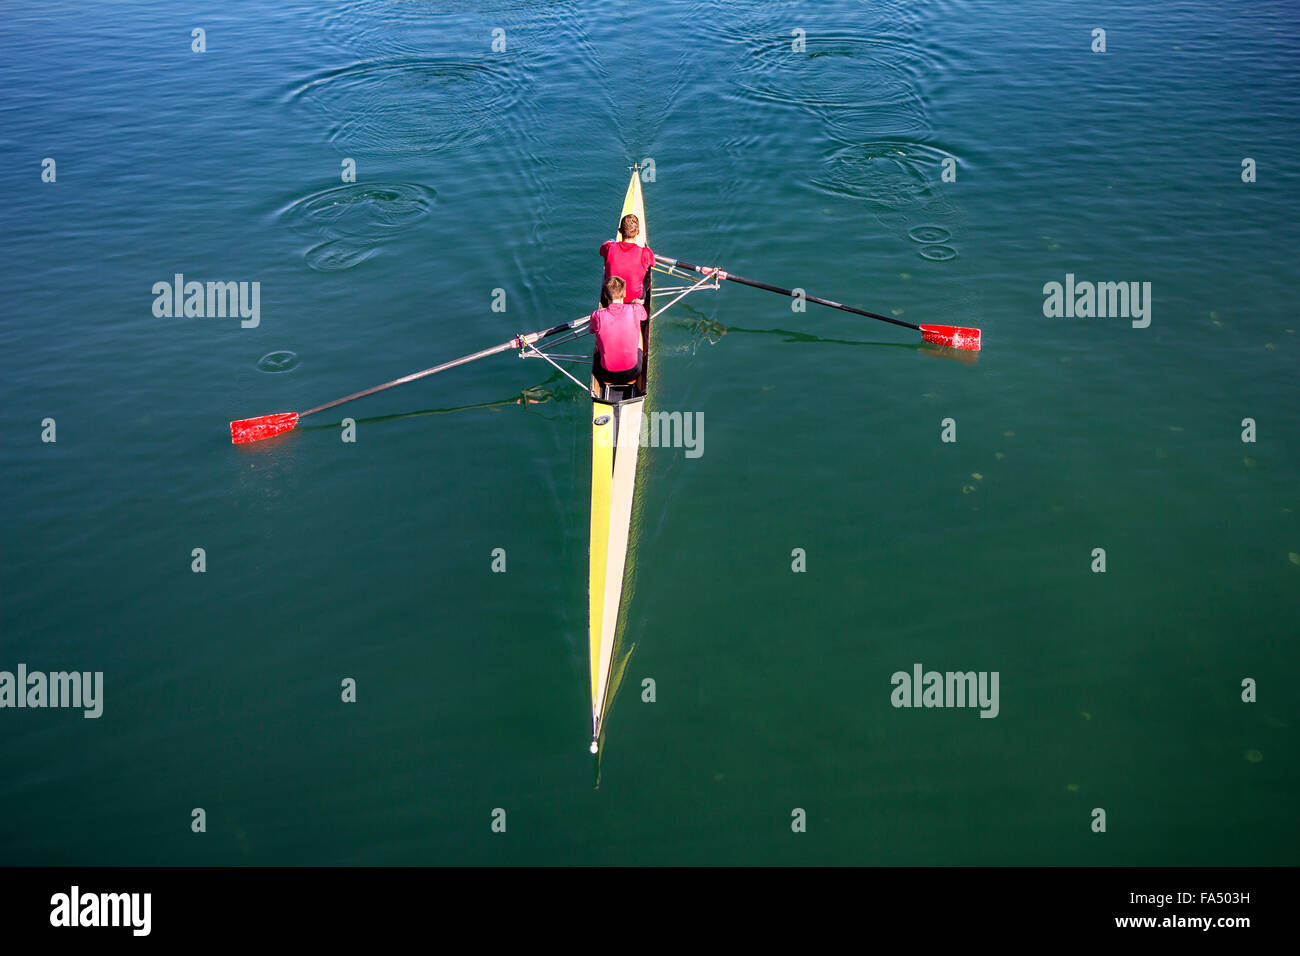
618	335
629	262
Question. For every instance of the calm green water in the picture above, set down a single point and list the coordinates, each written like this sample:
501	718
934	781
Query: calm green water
480	170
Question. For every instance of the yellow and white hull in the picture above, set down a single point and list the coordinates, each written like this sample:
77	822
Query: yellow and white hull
615	444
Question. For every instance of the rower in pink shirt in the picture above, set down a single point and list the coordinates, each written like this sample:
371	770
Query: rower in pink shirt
628	259
620	349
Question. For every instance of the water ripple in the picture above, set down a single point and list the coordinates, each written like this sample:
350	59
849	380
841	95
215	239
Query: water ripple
364	209
938	253
411	103
890	174
336	255
283	361
929	234
859	87
353	221
405	27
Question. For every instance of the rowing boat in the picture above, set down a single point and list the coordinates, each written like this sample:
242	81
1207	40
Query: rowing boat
616	416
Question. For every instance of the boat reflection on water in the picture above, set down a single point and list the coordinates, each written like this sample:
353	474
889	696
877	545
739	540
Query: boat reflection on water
622	655
953	355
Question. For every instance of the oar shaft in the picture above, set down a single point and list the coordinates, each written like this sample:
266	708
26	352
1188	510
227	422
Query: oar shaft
794	295
515	343
503	347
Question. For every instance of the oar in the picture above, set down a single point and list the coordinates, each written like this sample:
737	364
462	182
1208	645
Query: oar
265	426
951	335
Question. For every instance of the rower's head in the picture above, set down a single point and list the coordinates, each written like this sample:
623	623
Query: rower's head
629	228
615	288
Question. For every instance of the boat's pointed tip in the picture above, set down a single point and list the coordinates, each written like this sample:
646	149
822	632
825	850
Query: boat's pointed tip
595	747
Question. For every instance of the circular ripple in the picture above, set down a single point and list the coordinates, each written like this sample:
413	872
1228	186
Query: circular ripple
278	362
335	255
353	221
938	253
859	87
408	103
362	210
890	174
403	27
929	234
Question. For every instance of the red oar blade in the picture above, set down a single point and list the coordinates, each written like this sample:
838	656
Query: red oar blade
255	429
953	336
